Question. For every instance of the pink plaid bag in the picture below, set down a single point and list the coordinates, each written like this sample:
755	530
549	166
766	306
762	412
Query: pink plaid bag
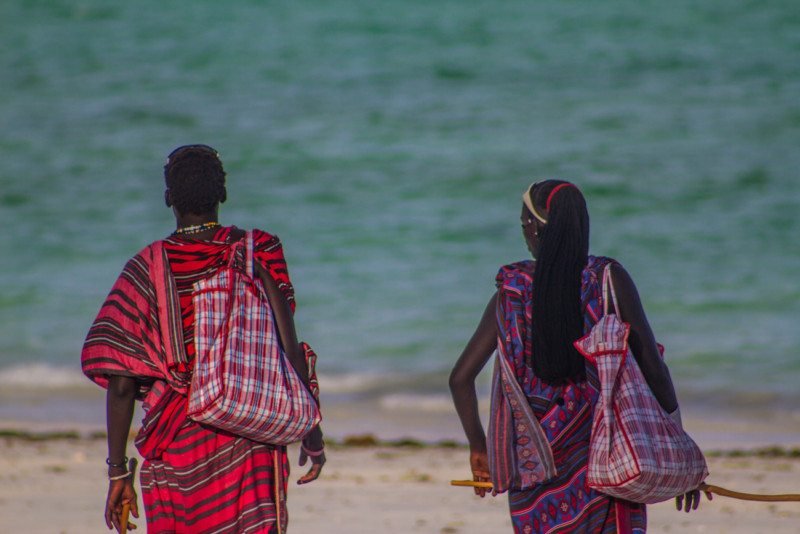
637	452
242	381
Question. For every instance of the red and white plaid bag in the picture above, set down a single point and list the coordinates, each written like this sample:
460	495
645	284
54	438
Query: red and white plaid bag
637	451
242	381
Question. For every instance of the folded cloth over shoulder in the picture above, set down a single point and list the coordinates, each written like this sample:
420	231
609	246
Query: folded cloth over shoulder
520	455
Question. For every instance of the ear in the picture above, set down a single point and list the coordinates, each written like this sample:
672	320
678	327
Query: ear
224	195
167	198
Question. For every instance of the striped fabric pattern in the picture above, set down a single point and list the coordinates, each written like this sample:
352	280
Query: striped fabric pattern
519	453
192	260
638	452
244	486
242	381
208	482
564	503
128	337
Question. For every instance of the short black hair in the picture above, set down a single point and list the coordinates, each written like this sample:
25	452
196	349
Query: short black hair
195	179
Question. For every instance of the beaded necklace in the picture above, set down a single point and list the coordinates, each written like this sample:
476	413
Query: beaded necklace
196	228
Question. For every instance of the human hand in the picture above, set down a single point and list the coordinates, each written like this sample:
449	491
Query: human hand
120	493
317	461
479	463
692	500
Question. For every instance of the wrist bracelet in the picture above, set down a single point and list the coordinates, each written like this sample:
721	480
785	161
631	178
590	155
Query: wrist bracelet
313	454
120	477
123	463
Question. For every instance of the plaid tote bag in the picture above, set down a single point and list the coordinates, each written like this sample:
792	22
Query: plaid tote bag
637	451
242	381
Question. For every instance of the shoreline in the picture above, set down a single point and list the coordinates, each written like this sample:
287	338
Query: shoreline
712	428
23	435
399	406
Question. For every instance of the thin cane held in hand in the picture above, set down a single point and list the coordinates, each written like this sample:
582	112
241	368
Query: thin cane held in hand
126	507
717	490
724	492
123	522
472	484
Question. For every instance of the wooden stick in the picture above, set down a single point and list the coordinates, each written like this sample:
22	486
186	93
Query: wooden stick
123	522
717	490
276	464
126	507
724	492
472	484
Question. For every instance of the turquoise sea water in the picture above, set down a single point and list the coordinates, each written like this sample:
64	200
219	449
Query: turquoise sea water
387	144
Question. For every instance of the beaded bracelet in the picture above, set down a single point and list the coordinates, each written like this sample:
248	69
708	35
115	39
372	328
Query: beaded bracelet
313	454
120	477
123	463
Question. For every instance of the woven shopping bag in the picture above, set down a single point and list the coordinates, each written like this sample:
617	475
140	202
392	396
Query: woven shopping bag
242	381
637	451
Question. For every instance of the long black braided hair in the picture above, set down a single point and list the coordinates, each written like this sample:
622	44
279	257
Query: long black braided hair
561	257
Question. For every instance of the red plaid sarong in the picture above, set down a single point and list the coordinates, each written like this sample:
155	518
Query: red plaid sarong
637	452
242	381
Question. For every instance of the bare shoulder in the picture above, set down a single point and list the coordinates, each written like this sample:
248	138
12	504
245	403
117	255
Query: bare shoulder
620	276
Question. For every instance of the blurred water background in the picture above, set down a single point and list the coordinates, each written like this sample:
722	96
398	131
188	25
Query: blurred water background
387	144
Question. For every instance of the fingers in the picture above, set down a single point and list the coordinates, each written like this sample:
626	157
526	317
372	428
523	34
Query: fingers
112	516
316	467
479	475
688	502
312	474
303	457
115	521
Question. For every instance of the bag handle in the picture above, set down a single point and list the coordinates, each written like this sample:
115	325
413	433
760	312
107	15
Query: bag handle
248	254
608	288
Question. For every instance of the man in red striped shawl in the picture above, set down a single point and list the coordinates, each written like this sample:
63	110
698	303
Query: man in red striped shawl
140	347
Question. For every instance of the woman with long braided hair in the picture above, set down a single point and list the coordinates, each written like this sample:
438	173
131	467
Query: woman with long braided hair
540	308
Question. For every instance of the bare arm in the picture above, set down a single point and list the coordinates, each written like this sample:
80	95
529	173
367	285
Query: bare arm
120	399
462	386
285	323
462	379
645	350
288	335
642	340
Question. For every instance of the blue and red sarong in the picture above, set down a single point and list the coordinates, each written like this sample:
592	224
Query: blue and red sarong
565	503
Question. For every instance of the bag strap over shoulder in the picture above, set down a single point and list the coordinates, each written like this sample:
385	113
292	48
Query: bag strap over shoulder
608	290
248	254
244	243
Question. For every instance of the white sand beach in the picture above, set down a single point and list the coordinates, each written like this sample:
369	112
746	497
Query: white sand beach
57	485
